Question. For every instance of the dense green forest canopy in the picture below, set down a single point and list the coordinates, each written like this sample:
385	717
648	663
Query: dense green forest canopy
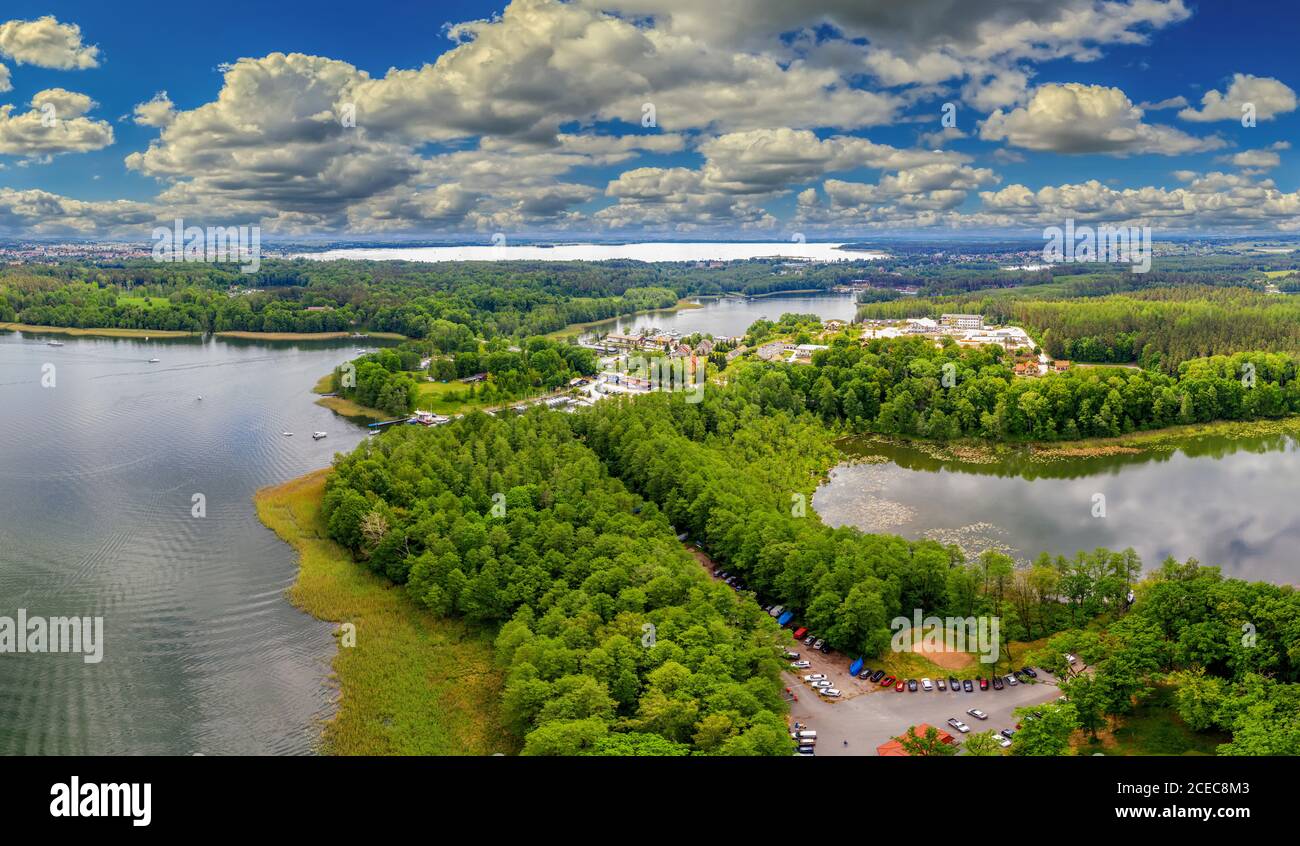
489	299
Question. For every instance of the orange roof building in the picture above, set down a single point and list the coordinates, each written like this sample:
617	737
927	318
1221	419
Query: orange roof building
895	747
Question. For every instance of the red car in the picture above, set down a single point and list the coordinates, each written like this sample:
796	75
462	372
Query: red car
900	686
800	632
984	684
887	681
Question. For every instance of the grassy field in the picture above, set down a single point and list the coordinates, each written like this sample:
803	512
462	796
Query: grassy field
1153	729
150	303
413	684
99	333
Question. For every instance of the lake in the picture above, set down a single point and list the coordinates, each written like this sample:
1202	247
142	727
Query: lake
1230	503
203	653
727	316
649	252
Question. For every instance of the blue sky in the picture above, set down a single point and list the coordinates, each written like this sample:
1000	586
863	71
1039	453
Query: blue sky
770	117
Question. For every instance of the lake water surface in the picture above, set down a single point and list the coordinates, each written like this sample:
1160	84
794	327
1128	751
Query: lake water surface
203	652
1231	503
727	316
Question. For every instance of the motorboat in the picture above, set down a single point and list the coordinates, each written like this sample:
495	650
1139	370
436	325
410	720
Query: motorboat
154	360
55	343
317	435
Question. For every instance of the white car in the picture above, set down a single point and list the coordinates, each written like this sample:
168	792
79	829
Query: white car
833	693
1002	741
958	724
822	683
978	714
926	684
801	665
814	677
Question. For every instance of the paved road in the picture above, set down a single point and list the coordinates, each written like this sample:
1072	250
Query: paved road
870	719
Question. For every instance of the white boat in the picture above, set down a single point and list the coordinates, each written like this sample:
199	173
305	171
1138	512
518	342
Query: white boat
317	435
153	361
287	434
55	343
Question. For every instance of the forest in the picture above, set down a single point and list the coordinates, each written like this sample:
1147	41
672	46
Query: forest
907	386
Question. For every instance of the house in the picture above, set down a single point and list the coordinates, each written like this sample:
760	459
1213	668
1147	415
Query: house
962	321
774	349
804	352
1027	368
894	747
623	341
704	347
834	325
1061	366
737	353
680	351
319	308
477	377
922	325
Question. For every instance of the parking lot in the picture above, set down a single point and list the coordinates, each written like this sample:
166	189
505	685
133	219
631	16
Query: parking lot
870	719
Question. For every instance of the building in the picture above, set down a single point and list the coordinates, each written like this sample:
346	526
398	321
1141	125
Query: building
736	353
894	747
626	342
704	347
922	326
774	349
962	321
1061	366
804	352
834	325
1027	368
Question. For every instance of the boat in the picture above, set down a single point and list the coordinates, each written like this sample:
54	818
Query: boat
317	435
287	434
153	361
55	343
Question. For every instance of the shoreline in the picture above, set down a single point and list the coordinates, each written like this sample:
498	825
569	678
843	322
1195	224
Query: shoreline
106	332
406	682
574	329
1167	439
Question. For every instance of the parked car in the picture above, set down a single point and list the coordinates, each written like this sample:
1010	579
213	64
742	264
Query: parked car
953	684
978	714
888	681
832	692
808	641
819	643
958	724
800	632
791	655
1011	680
1004	742
812	677
911	685
805	734
865	675
899	687
1019	675
984	683
822	683
1007	733
939	683
997	683
967	686
1029	671
776	610
877	675
800	665
825	648
926	684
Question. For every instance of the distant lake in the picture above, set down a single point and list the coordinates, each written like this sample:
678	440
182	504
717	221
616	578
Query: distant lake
203	653
727	316
667	251
1225	502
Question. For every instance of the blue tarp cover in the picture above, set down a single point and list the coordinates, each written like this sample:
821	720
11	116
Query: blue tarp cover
856	667
785	618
